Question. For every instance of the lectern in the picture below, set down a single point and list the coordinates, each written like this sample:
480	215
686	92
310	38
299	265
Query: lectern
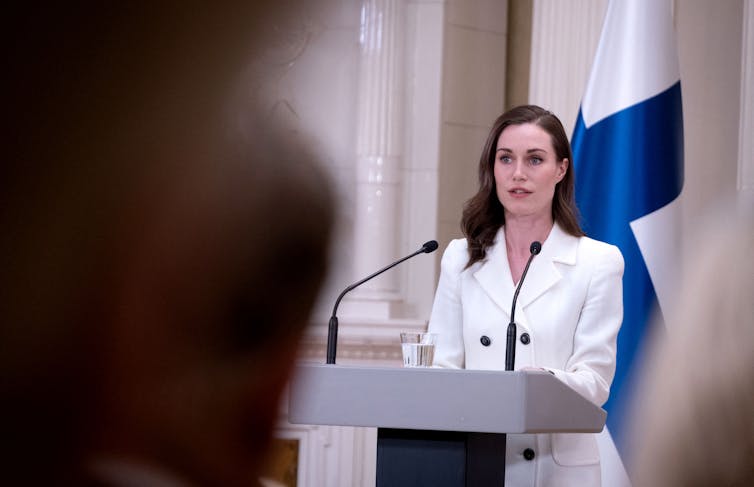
439	427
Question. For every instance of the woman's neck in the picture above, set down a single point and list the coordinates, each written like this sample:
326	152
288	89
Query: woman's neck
520	232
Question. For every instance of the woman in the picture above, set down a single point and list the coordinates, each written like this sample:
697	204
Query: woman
570	307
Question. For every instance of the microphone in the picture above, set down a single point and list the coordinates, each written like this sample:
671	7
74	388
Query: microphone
332	330
510	338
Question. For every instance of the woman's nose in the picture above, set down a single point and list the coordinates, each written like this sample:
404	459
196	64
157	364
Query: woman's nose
518	171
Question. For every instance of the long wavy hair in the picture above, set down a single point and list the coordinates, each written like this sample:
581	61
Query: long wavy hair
483	214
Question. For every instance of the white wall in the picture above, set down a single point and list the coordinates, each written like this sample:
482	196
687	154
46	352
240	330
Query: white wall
709	50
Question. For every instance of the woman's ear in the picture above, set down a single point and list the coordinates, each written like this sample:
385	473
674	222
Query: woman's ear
562	169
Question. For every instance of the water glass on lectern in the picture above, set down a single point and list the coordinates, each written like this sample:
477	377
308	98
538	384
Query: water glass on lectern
418	349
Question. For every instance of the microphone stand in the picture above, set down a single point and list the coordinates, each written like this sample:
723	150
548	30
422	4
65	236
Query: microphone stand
510	336
332	328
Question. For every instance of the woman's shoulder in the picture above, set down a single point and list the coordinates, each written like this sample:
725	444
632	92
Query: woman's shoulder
456	255
600	251
457	245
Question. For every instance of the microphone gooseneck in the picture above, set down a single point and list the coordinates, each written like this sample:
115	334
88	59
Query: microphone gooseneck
332	328
510	336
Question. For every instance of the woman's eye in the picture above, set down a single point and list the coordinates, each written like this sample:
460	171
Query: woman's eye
505	159
535	161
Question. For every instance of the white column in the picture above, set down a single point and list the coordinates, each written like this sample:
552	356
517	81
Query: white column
379	164
564	40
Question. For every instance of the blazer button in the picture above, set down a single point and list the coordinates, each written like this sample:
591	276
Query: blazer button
485	340
529	454
525	339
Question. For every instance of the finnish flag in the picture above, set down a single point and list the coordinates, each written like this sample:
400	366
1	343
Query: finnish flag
628	157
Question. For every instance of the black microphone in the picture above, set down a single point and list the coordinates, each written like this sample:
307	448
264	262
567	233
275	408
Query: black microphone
510	338
332	330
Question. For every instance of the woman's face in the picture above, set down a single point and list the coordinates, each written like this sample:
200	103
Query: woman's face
526	171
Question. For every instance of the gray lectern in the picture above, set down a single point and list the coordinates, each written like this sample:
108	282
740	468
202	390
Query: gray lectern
452	422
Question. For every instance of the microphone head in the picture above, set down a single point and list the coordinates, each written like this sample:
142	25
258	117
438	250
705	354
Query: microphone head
430	246
535	248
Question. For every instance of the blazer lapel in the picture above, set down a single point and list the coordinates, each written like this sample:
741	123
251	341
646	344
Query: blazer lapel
543	273
494	275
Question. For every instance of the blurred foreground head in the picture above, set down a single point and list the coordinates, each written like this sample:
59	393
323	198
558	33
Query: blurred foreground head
162	245
693	423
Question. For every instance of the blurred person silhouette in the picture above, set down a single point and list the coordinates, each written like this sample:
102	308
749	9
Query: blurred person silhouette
161	246
693	422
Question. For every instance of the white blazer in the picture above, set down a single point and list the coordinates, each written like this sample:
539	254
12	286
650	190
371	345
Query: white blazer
571	308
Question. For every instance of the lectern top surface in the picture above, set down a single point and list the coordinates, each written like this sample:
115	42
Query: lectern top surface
439	399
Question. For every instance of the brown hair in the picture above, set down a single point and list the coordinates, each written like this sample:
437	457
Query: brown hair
483	214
